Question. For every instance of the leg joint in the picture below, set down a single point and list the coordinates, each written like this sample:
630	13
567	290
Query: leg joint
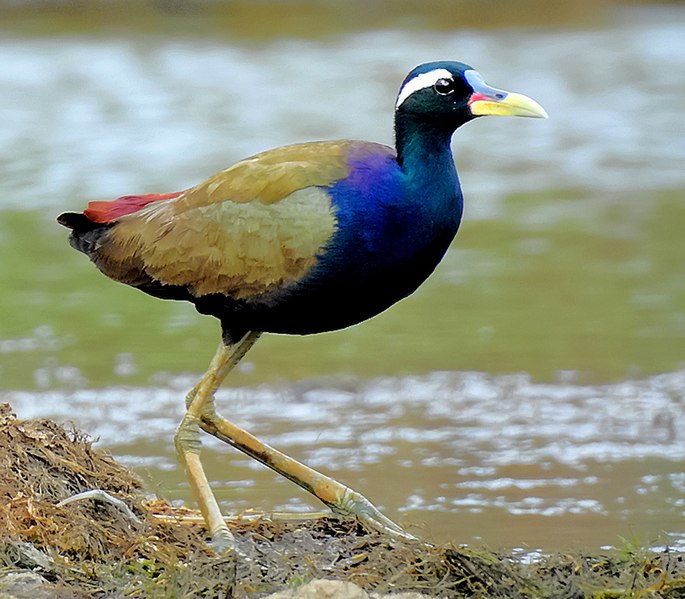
187	438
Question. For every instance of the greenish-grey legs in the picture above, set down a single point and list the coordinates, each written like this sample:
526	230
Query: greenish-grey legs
201	413
200	401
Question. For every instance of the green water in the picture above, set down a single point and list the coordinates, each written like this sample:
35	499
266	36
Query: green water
561	281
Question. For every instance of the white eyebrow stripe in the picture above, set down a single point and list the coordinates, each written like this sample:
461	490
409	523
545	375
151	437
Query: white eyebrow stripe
420	82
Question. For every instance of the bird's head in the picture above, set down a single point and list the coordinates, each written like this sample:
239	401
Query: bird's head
450	94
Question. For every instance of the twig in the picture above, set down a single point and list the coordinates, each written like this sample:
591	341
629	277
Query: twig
100	495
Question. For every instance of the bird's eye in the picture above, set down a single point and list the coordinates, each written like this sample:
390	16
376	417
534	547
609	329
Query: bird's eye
444	86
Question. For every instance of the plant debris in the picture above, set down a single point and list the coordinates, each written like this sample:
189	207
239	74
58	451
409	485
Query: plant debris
91	547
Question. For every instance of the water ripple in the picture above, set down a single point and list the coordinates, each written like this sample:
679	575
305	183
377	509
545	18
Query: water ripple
123	113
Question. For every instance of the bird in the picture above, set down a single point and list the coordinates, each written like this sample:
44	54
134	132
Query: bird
298	240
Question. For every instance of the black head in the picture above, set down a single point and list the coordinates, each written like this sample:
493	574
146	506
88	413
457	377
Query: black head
449	94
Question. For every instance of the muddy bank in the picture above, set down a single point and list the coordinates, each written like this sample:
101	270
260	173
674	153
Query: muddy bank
144	547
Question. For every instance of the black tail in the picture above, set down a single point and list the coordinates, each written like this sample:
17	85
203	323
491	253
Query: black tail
85	234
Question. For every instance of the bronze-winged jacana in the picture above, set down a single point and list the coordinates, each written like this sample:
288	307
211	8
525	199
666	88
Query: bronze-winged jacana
300	239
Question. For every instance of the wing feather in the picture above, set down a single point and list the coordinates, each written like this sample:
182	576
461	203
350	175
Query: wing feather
248	230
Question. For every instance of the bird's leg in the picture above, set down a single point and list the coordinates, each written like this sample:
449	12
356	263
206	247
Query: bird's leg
187	439
338	497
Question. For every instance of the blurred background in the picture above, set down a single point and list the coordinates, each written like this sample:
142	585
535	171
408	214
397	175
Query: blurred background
531	394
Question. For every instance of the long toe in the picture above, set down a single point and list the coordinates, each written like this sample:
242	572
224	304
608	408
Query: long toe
355	504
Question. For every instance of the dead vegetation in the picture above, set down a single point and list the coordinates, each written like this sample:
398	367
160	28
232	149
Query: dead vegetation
93	548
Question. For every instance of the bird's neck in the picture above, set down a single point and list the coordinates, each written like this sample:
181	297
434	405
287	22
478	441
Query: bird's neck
423	149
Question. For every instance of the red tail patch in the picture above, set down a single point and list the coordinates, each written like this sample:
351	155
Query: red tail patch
108	211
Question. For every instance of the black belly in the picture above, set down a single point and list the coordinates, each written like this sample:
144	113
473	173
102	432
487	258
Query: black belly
324	302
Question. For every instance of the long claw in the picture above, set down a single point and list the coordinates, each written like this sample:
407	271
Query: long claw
355	504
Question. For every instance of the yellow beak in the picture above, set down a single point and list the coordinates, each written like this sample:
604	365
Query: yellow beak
510	104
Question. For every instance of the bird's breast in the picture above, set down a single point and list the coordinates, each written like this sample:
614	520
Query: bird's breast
388	224
388	240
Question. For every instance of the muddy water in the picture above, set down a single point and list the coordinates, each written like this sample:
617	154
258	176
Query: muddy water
531	394
453	456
